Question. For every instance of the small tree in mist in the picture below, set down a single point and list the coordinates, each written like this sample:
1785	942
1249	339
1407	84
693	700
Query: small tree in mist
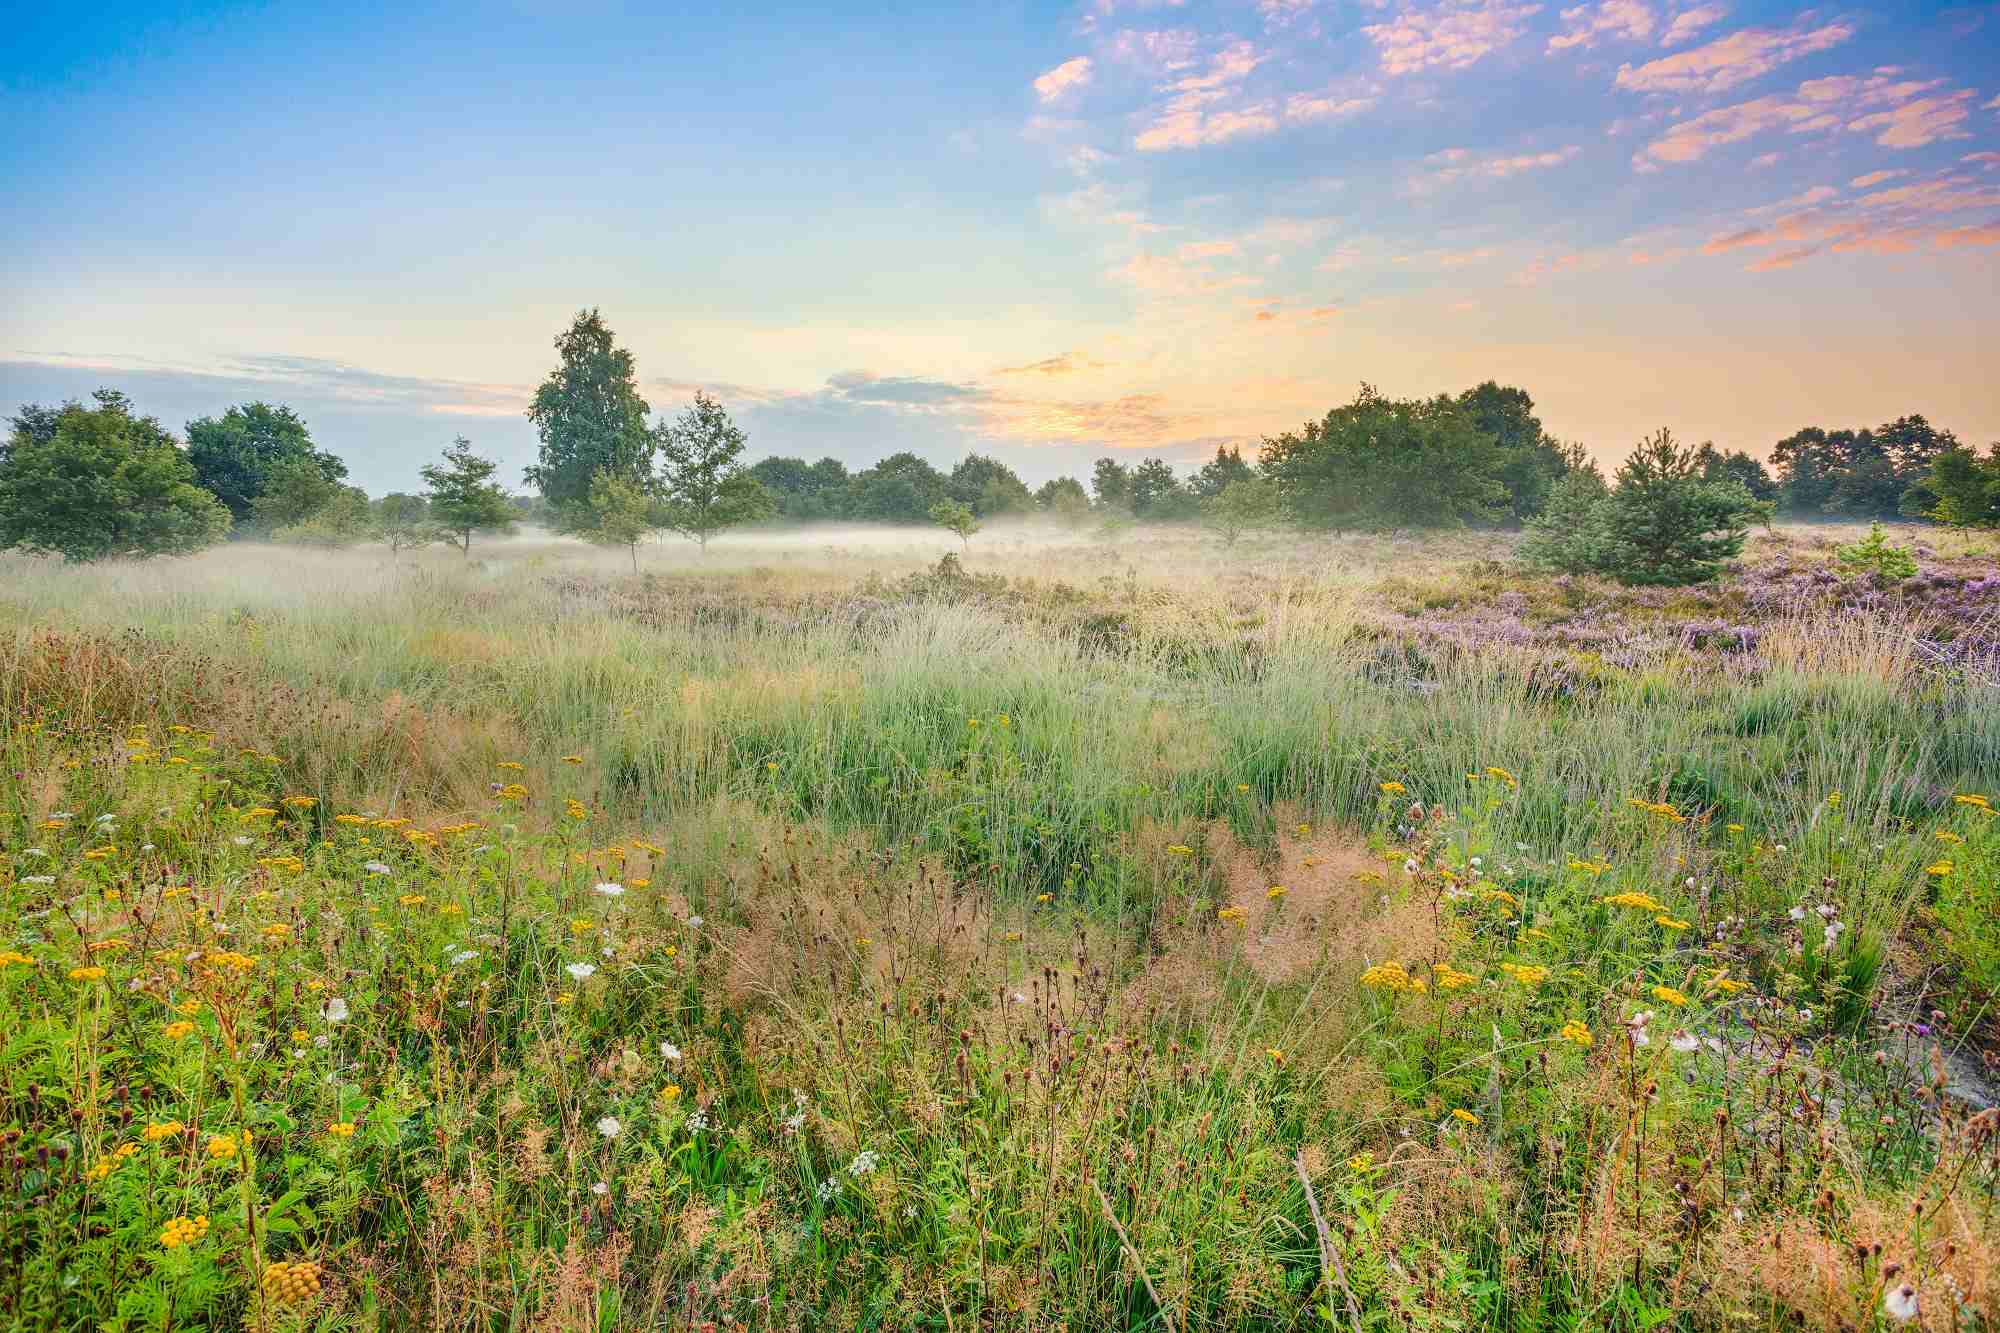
302	506
705	486
956	518
1241	506
403	523
620	512
463	497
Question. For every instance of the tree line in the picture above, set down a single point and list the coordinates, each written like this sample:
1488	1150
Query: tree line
88	481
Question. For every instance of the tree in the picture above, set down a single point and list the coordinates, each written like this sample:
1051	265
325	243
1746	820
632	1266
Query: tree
235	455
301	505
1379	463
402	522
1856	473
1217	475
958	518
987	487
1531	462
804	490
1878	556
1570	535
1738	467
1251	502
1064	499
619	512
91	483
1663	524
590	418
1962	488
706	489
1157	494
899	489
463	497
1111	484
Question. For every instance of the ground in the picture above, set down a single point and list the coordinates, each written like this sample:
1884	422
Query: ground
825	934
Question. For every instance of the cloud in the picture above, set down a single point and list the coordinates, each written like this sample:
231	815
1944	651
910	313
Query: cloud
1989	159
1984	234
1898	221
1783	259
1450	35
1686	25
1923	121
1068	363
1201	110
1728	61
1817	104
1325	106
1173	275
1206	249
1456	164
1586	25
907	391
1875	178
1069	75
1164	49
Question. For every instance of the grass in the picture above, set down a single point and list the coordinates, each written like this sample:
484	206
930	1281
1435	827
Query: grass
864	945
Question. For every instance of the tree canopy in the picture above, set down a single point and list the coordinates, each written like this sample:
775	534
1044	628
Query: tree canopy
589	417
90	483
705	487
463	498
236	454
1381	463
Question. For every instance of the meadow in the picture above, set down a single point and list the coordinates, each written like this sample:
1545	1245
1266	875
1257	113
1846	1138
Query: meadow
1317	933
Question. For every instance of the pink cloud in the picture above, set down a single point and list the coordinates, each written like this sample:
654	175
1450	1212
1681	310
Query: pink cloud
1324	106
1586	25
1784	259
1692	139
1989	160
1686	25
1984	234
1728	61
1923	121
1199	111
1452	35
1458	164
1875	178
1069	75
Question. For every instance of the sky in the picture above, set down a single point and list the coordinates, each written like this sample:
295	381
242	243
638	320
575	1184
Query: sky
1042	232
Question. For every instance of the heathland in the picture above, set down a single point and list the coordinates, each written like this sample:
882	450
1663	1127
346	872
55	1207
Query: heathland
1076	932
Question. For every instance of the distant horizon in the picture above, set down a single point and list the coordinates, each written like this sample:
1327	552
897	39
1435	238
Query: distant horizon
1047	233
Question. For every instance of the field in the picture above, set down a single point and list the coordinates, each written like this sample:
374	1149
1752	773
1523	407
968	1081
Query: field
1339	933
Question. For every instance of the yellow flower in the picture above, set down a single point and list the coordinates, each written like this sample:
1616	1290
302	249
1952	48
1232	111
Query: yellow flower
1179	849
1503	775
1275	892
1463	1116
1387	976
1230	914
1973	799
86	974
572	759
222	1147
1394	789
640	883
183	1231
1361	1161
1946	835
301	802
582	926
188	1008
300	1036
1277	1056
411	900
1938	868
1450	978
175	1031
1726	984
1669	923
1576	1032
1526	973
343	1129
291	1283
1644	902
509	766
165	1129
8	958
1043	897
1668	995
670	1093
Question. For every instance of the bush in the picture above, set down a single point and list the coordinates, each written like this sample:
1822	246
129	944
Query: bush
1876	556
1664	523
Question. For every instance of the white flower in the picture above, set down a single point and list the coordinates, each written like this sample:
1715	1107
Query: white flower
1410	866
1478	861
609	951
1637	1025
1684	1042
609	889
694	923
670	1052
334	1010
828	1188
697	1122
1779	849
1832	932
376	868
1900	1303
321	1041
864	1162
1798	912
609	1127
38	879
600	1189
1827	911
34	851
464	956
240	840
582	971
104	819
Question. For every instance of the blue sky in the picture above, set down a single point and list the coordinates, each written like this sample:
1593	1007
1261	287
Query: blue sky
1045	232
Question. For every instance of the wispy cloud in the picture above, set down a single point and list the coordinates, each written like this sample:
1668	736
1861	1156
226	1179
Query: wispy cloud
1205	108
1587	25
1448	35
1690	22
1729	61
1908	120
1068	363
1063	79
1920	122
1456	164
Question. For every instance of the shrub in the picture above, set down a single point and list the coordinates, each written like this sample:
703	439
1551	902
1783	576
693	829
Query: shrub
1878	557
